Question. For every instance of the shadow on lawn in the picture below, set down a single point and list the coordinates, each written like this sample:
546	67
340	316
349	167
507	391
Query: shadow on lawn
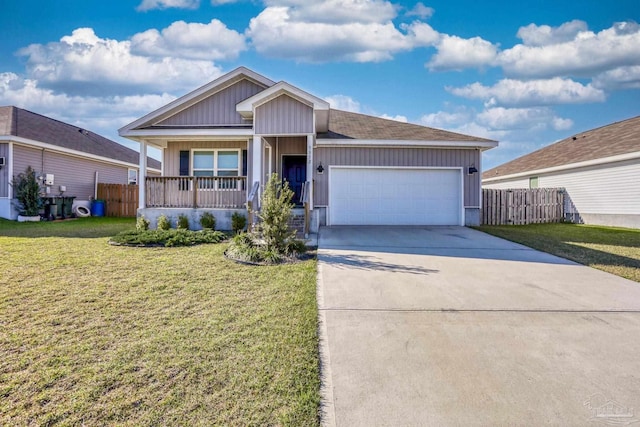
589	256
86	228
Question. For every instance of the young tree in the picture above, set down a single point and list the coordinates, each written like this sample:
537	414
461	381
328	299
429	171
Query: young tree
275	214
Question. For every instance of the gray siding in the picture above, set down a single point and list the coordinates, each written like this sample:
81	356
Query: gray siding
427	157
218	109
283	146
4	172
76	173
283	115
172	152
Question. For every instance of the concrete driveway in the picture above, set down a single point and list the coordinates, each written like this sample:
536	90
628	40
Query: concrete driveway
450	326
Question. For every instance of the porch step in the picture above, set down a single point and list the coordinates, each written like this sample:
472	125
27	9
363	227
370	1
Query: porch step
296	222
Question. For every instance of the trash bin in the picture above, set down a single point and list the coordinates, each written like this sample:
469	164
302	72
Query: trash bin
97	207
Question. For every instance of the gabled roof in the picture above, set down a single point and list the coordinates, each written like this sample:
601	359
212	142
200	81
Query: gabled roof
616	139
196	96
247	107
348	125
28	125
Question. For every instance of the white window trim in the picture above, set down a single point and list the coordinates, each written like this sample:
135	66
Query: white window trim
129	175
215	165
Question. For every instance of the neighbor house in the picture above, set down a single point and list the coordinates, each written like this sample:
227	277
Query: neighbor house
65	157
221	142
599	170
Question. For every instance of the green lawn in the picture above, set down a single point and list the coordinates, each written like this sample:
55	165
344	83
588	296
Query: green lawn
615	250
93	334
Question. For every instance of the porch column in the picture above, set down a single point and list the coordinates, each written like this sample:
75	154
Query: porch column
310	164
142	175
256	161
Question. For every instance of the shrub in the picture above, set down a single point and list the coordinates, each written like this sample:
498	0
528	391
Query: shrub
167	237
142	224
27	192
183	222
163	223
275	214
238	222
208	221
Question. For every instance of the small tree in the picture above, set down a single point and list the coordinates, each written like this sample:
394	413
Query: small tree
275	214
27	192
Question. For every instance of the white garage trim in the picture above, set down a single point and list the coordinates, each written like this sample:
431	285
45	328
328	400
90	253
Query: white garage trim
460	182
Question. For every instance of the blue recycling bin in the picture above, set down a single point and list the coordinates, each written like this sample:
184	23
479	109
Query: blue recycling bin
97	208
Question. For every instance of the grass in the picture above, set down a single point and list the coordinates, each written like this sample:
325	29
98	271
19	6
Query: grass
93	334
614	250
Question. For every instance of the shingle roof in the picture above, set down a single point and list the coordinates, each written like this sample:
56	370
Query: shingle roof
347	125
606	141
22	123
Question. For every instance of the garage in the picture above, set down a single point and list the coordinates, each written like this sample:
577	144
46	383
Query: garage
395	196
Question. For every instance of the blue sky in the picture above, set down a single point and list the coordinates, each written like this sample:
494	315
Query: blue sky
523	73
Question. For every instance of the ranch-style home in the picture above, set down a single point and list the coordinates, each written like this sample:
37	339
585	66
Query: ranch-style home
221	142
69	160
599	170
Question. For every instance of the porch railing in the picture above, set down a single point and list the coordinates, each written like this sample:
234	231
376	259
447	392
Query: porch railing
196	191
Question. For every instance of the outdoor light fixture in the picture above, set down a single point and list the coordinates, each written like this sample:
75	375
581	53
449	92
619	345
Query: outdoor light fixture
472	170
320	168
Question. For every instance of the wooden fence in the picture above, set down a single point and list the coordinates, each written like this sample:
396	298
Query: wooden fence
522	206
121	199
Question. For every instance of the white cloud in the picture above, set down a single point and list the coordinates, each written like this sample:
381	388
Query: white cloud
541	35
212	41
511	92
501	118
343	102
337	11
85	63
101	114
619	78
166	4
447	120
456	53
421	11
586	54
397	118
276	33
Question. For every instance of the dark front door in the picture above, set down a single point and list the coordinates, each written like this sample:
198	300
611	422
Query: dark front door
294	170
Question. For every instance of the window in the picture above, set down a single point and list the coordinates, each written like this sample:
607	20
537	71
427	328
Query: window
533	182
216	163
132	176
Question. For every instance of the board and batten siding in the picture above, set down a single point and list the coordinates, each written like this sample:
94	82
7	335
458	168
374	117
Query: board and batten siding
218	109
282	146
75	173
172	152
408	157
4	172
283	116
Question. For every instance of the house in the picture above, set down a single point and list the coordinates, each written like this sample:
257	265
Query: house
599	170
221	142
64	156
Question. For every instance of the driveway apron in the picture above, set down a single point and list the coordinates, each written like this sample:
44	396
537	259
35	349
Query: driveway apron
445	326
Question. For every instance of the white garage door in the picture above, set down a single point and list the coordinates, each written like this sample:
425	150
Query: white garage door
393	196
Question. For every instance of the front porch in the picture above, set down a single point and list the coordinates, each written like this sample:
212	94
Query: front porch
196	192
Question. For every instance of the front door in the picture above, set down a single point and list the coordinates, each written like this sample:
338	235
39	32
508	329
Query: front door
294	171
